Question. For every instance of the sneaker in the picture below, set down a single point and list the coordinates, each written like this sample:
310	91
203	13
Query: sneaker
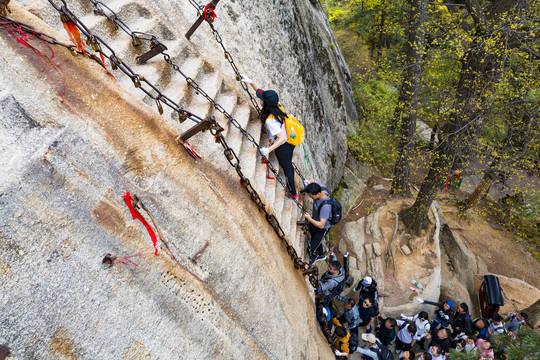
306	183
295	197
318	258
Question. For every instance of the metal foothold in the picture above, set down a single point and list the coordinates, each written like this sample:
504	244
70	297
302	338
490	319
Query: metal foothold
182	117
160	108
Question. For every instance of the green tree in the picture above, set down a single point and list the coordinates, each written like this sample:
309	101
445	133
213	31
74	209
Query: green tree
482	67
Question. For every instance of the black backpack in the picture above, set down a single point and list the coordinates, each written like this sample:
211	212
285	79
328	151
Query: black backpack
383	352
336	209
339	287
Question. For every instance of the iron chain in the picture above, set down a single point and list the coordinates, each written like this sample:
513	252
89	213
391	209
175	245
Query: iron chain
159	97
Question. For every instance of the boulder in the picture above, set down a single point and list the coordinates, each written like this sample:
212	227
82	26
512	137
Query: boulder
352	262
377	249
352	188
405	250
369	251
353	233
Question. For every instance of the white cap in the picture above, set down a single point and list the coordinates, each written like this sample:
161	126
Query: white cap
370	338
367	281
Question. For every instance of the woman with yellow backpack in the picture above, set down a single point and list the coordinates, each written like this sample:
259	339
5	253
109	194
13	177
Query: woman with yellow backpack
284	131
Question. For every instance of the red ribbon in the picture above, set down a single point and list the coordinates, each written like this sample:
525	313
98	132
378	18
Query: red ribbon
74	34
209	14
267	169
137	215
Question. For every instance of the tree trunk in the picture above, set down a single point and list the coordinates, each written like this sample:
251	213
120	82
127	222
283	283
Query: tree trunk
415	217
433	136
381	41
480	190
481	70
407	107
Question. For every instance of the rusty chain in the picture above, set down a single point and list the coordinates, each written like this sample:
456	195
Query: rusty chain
197	6
231	156
234	161
230	59
99	9
97	45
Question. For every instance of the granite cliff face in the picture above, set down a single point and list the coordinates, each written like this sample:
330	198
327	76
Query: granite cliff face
62	208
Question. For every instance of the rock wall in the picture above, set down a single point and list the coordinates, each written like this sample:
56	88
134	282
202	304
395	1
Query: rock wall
65	169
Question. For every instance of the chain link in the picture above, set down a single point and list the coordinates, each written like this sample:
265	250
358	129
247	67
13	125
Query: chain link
270	217
159	97
197	6
230	59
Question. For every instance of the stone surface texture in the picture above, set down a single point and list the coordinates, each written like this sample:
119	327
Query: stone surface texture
64	171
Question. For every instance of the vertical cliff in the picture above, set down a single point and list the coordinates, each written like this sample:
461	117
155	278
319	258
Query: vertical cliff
231	290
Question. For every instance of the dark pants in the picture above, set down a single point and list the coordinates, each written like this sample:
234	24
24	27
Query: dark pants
317	235
284	155
400	345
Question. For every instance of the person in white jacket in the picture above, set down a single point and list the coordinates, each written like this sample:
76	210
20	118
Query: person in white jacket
404	339
423	326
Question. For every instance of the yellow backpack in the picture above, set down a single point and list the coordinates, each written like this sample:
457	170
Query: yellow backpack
295	130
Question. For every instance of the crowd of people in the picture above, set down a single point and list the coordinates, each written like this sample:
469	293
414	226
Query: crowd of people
412	336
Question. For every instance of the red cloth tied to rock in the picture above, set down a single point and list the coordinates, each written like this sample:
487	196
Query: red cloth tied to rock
137	215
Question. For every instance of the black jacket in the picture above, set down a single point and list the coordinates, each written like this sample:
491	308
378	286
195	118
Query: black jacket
462	322
444	344
386	336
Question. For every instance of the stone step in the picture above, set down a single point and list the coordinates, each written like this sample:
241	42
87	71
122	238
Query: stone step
248	152
131	12
270	186
296	215
279	202
234	137
228	100
286	214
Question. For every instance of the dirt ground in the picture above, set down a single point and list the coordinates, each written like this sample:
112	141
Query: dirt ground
502	254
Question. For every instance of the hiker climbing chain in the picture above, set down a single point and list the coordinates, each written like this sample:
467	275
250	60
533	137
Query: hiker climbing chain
228	56
75	27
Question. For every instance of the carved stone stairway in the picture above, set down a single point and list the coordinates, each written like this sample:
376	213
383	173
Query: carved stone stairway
150	18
